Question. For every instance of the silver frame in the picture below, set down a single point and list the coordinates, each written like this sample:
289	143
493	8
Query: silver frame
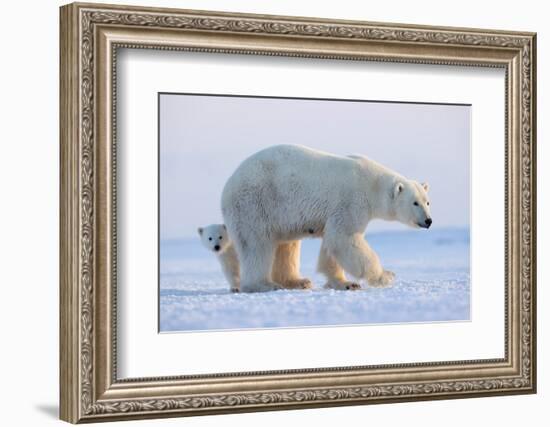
90	37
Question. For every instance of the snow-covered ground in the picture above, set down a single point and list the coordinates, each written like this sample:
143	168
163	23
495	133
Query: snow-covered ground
432	284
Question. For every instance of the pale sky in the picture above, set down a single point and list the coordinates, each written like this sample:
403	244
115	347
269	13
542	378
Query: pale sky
203	139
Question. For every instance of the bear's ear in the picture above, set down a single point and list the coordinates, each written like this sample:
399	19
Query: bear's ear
425	186
398	189
200	230
224	227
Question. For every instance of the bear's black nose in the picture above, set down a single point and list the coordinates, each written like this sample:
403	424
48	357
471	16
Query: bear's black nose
428	222
217	247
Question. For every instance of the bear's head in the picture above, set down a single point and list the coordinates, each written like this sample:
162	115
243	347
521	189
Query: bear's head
214	237
411	203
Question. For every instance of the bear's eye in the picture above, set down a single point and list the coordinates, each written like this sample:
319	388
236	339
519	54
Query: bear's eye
210	238
428	203
415	203
221	237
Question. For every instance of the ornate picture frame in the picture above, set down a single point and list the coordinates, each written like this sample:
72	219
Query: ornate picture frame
90	37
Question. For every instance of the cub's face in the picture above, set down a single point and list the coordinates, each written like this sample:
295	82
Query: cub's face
412	204
214	237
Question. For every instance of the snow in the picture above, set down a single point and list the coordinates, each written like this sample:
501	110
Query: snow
432	285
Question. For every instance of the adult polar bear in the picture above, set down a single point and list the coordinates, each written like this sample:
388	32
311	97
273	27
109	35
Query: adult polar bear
287	192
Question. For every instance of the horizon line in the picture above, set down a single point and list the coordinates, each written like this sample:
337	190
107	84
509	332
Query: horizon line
411	230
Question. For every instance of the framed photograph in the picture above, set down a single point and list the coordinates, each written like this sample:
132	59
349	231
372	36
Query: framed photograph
266	212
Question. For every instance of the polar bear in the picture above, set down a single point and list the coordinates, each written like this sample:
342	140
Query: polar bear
287	192
215	238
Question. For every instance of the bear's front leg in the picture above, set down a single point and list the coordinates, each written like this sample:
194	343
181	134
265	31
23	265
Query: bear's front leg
376	276
230	267
336	278
357	258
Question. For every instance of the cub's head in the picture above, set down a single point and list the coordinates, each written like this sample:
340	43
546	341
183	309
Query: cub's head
214	237
412	204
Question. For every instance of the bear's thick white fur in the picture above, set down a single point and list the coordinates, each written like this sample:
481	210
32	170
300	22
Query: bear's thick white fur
215	238
287	192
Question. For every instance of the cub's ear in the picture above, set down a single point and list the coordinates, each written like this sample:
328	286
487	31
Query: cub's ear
224	227
200	230
398	189
425	186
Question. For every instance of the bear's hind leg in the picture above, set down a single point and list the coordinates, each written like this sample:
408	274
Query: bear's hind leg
256	263
336	277
286	268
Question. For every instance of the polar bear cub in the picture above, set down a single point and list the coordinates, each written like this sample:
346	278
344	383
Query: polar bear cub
215	238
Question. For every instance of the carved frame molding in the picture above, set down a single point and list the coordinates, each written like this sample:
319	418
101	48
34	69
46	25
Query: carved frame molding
90	37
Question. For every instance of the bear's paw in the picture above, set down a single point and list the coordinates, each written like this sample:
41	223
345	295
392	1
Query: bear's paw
261	287
298	284
343	286
385	280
